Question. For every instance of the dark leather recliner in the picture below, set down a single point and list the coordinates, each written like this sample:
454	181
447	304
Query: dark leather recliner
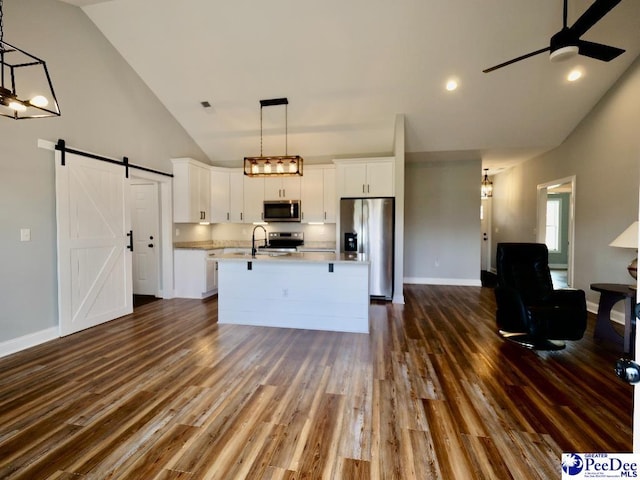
529	310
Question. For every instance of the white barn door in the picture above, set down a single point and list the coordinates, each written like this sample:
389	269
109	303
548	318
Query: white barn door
94	260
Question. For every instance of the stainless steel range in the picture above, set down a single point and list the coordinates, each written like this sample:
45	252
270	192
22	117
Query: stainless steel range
283	242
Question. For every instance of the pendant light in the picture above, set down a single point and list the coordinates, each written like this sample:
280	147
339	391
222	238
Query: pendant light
274	166
25	86
486	188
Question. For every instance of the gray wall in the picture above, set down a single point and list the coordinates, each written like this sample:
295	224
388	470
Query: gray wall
604	154
105	109
442	221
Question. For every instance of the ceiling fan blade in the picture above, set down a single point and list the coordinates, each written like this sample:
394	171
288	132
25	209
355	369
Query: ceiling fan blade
598	51
592	15
517	59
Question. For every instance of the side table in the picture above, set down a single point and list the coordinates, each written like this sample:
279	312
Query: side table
610	294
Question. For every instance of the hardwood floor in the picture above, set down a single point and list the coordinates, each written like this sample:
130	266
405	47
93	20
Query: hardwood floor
431	393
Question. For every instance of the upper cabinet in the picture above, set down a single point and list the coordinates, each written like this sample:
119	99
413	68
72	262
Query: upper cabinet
202	193
282	188
365	177
227	195
319	194
191	191
253	199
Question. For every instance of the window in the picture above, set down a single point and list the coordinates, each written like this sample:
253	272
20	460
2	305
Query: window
554	207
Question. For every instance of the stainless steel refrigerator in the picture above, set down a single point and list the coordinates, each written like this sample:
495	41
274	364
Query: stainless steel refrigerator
367	226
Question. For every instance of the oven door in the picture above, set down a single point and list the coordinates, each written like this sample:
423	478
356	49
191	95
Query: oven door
282	211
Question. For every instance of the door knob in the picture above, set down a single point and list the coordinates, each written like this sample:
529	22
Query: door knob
628	371
150	245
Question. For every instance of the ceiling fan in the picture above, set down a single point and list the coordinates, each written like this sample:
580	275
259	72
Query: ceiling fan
566	43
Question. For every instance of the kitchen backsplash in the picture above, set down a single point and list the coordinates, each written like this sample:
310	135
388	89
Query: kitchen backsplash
238	231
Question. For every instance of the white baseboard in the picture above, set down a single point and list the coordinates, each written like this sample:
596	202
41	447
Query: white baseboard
27	341
558	266
617	317
464	282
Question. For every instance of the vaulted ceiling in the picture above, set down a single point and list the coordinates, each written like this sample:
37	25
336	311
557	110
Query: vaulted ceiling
348	67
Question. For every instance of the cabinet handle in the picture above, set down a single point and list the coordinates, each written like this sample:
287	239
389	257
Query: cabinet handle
363	188
227	215
368	188
284	194
325	215
241	216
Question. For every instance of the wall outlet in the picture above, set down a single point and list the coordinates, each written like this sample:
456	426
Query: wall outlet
25	234
177	232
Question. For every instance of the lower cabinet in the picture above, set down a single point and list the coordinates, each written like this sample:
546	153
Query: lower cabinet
195	272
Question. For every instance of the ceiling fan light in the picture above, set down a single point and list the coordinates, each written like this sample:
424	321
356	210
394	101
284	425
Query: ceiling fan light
563	53
574	75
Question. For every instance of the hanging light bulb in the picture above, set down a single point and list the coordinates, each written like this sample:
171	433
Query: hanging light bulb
17	106
279	167
39	101
267	167
255	169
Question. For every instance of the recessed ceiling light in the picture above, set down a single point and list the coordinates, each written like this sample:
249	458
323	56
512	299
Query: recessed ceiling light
574	75
451	85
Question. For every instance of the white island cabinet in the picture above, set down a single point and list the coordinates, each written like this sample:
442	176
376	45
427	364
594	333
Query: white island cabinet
316	291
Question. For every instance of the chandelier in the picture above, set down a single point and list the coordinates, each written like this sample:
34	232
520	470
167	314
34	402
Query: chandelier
486	187
279	165
19	68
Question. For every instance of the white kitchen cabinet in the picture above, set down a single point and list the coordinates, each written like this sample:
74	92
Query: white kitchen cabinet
195	272
318	194
253	199
227	191
329	194
236	195
282	188
191	191
366	177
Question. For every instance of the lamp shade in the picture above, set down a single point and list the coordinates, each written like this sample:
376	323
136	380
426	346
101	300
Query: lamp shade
628	238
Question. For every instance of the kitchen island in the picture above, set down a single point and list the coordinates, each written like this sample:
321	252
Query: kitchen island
311	290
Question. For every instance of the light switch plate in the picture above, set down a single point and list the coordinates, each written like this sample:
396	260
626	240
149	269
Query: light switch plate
25	234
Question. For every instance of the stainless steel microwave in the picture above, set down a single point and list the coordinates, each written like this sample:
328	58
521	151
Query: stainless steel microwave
282	211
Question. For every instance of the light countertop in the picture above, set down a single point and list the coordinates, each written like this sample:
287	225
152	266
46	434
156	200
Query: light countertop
299	257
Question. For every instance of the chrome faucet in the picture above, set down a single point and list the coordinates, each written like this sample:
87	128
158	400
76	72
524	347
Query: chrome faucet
254	250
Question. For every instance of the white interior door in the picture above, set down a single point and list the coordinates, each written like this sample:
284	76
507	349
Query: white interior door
94	261
485	234
146	246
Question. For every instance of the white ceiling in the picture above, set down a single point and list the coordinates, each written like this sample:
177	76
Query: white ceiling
348	67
